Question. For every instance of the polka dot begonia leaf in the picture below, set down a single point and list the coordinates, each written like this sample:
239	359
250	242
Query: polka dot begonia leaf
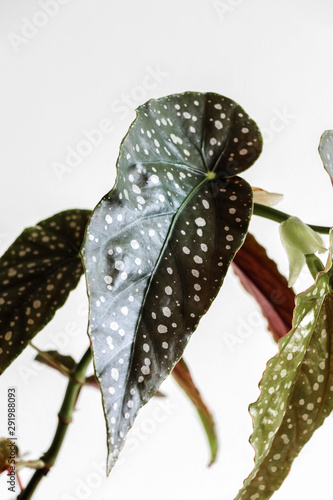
159	244
326	151
37	273
296	391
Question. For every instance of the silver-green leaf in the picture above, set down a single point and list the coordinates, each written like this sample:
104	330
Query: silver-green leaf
159	244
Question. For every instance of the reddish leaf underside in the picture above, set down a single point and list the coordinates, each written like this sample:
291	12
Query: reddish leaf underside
260	277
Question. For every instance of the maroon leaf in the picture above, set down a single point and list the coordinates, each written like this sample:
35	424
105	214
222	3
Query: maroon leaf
260	277
182	375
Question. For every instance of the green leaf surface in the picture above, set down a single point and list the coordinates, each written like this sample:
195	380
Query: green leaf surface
326	151
159	244
183	376
296	391
37	273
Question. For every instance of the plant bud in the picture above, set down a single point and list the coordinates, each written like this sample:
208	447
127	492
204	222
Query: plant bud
298	240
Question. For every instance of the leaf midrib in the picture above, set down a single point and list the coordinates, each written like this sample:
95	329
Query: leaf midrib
173	163
156	266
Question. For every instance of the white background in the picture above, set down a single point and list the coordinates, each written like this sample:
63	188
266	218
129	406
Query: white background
273	58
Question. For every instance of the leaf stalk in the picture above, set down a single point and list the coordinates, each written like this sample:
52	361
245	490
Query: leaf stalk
65	417
314	264
278	216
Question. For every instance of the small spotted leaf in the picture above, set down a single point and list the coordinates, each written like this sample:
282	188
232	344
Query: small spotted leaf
183	376
326	151
261	278
296	391
159	244
37	273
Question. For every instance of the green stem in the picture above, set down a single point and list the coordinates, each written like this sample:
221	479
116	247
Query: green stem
277	216
30	464
65	417
314	264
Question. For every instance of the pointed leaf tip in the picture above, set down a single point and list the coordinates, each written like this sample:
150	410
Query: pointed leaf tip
159	244
37	273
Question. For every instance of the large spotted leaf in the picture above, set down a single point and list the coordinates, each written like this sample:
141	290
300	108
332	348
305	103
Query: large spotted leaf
159	244
37	273
296	391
